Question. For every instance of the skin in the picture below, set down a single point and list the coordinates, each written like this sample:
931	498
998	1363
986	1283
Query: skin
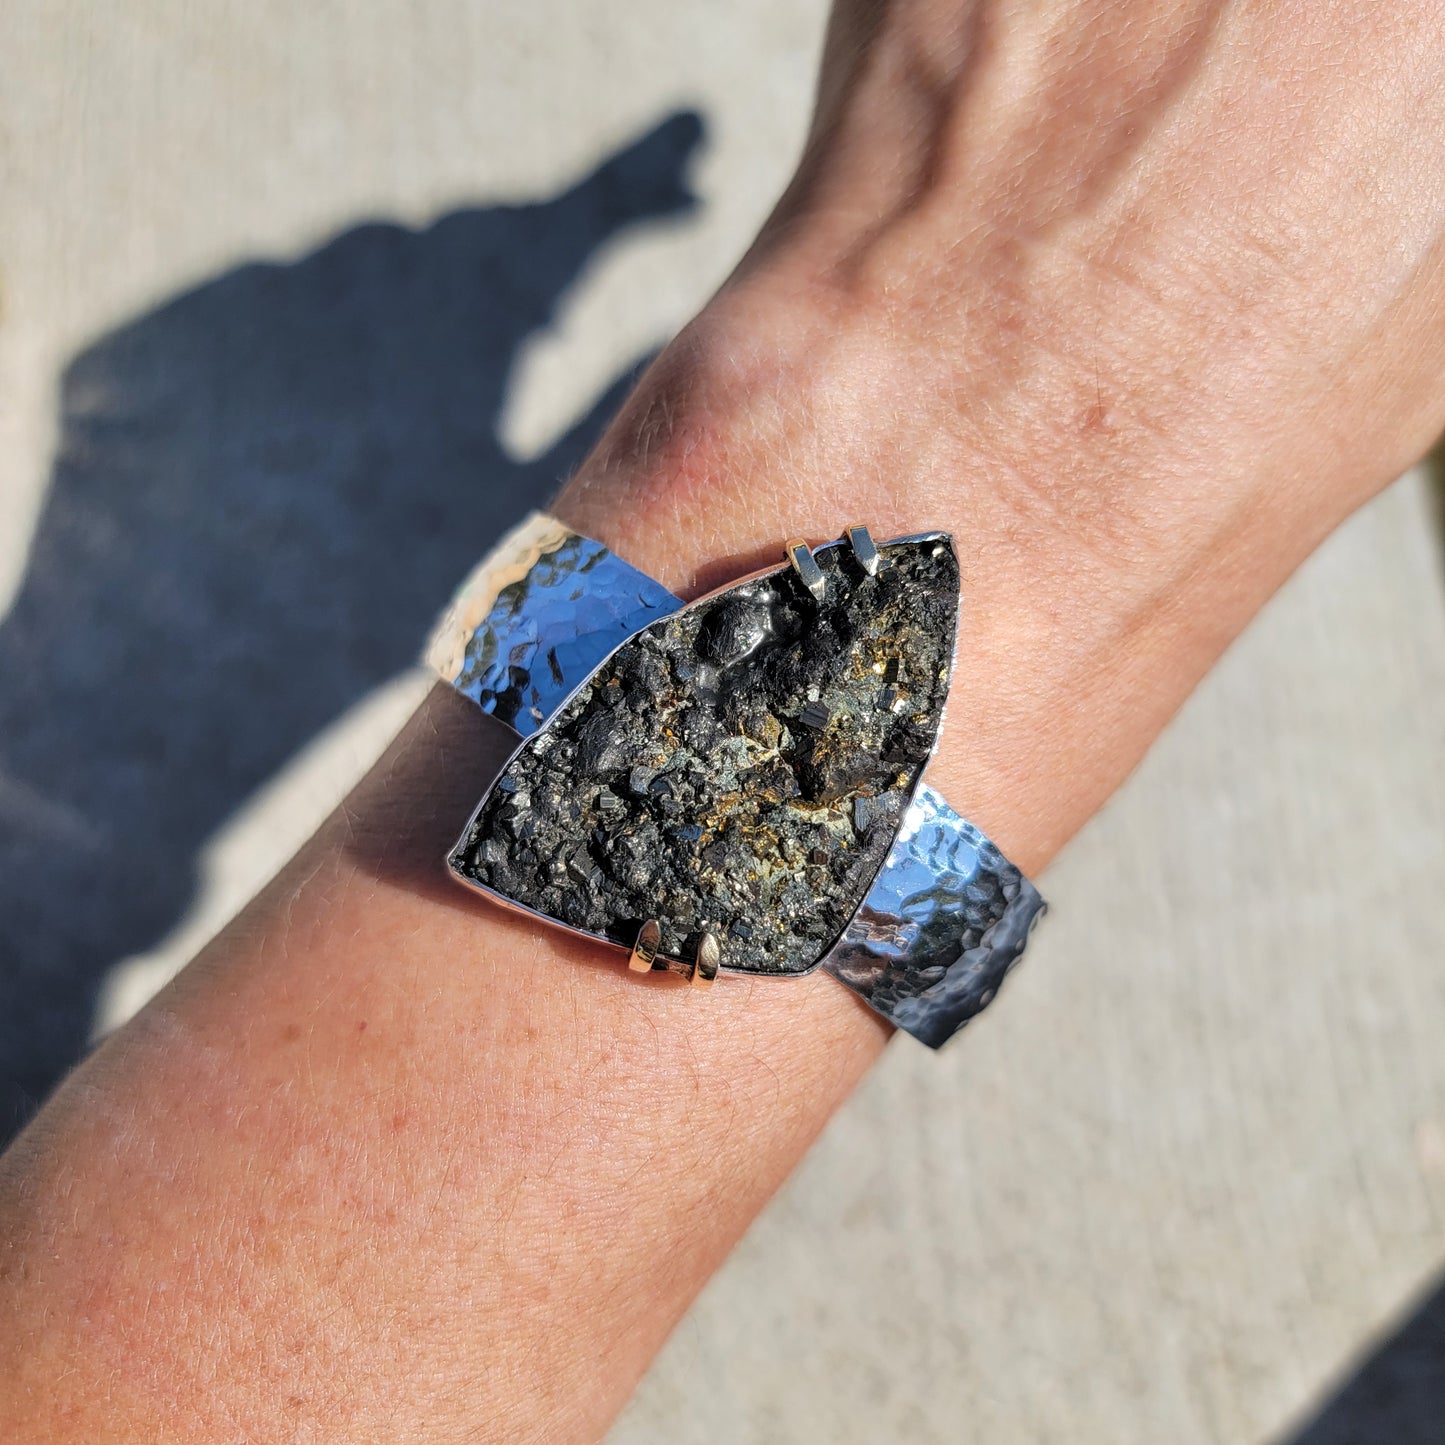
1140	301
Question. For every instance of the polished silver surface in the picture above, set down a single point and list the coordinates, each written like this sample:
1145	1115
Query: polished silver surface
860	539
644	950
946	918
537	617
800	555
705	966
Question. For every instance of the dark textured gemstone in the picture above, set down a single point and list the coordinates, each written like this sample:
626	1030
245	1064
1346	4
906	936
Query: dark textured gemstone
814	716
582	868
601	746
731	767
640	780
733	629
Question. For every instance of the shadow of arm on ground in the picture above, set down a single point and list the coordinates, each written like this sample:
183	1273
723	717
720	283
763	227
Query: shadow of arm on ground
1395	1395
263	492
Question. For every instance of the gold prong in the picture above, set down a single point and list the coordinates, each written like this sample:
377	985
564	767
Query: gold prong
644	951
709	955
801	558
860	539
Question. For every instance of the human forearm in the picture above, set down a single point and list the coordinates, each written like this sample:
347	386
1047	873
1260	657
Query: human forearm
381	1157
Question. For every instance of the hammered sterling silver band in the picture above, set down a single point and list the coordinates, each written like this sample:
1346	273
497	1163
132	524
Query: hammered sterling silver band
735	785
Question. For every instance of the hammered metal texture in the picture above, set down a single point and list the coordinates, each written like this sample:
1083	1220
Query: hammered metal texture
537	617
946	918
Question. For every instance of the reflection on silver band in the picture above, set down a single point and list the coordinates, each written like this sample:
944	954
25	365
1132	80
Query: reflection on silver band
946	918
536	617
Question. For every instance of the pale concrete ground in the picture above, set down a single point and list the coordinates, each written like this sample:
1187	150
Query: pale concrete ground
1186	1183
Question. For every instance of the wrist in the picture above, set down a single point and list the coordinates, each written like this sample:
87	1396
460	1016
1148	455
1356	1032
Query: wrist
772	418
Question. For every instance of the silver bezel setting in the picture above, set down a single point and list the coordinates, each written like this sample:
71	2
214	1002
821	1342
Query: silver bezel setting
671	963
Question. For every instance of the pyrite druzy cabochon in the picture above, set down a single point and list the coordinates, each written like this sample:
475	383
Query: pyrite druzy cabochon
739	767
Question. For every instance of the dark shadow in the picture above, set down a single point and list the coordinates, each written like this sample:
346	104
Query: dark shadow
1435	479
264	491
1396	1396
